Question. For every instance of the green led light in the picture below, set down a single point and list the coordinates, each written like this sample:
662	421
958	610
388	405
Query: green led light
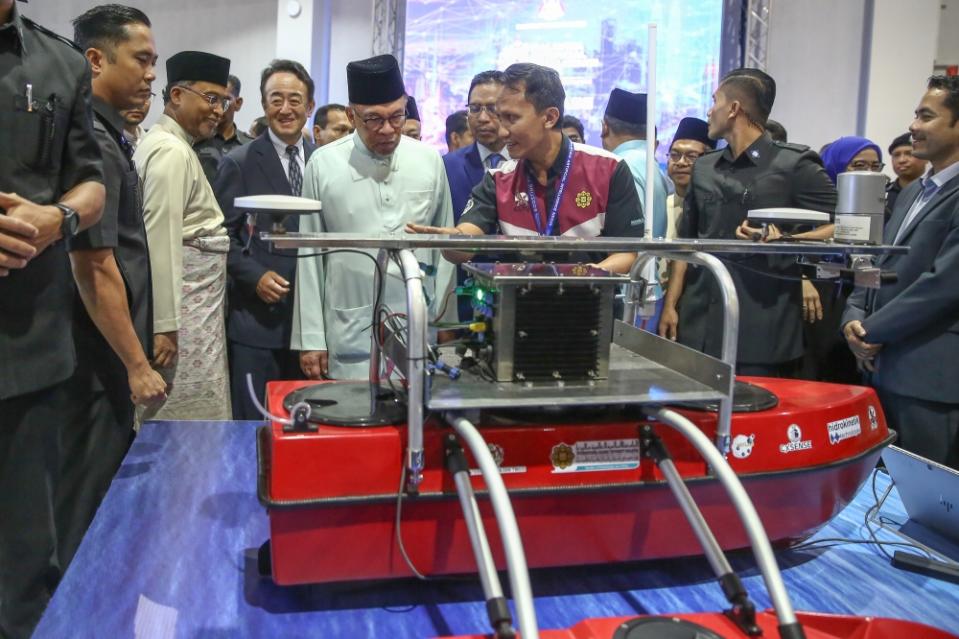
480	294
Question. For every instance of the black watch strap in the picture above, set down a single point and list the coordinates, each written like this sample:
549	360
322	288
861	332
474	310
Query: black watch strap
71	220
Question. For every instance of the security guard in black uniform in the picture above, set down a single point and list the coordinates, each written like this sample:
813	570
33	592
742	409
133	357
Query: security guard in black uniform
752	172
112	315
50	188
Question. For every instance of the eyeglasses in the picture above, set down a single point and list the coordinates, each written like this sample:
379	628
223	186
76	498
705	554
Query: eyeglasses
689	156
375	122
476	109
867	166
213	100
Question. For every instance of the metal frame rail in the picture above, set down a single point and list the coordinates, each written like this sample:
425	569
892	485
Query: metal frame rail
399	249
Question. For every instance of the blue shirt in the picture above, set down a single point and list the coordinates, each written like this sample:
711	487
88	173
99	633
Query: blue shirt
634	153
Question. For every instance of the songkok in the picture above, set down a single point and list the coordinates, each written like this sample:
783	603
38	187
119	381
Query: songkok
626	106
412	113
197	66
903	140
376	80
694	129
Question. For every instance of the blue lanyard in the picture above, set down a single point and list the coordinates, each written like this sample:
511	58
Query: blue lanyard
554	211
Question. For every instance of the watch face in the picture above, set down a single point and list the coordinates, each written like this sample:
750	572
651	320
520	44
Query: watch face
71	220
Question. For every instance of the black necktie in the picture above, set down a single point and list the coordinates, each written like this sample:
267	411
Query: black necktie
126	147
296	177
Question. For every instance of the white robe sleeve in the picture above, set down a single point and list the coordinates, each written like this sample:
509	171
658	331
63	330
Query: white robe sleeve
309	325
166	190
445	271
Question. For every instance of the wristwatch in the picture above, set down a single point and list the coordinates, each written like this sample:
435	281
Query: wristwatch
71	221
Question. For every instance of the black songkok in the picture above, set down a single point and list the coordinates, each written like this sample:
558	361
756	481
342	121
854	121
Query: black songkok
626	106
694	129
197	66
412	113
376	80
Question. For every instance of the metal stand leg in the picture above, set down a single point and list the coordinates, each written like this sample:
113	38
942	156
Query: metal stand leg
743	611
506	520
789	627
496	606
730	322
417	319
382	262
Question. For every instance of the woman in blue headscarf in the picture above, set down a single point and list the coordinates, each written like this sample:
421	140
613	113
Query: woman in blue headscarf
826	356
851	153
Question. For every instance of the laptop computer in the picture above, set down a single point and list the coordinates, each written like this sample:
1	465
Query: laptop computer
929	491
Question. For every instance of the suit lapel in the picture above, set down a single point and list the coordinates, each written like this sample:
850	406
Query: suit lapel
473	166
903	204
270	165
909	194
947	190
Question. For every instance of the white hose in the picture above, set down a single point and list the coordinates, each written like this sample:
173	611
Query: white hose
259	407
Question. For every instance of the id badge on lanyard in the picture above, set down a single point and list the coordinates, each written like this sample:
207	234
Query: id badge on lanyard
554	210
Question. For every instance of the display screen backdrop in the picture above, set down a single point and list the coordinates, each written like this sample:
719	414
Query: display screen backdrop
595	45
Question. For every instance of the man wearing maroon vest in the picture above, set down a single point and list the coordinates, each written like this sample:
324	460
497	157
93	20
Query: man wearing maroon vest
551	186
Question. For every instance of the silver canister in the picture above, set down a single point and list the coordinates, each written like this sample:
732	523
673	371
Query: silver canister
861	207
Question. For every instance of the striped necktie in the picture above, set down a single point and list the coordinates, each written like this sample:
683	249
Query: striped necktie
296	177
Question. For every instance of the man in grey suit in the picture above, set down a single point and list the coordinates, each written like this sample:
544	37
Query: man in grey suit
261	278
907	334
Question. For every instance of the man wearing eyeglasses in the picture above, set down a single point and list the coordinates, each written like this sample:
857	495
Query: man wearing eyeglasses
690	141
188	244
465	166
227	136
261	277
373	181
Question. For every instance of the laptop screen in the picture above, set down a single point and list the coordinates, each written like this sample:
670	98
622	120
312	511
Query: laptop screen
929	491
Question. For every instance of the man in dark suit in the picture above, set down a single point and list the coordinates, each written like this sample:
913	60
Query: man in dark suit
907	334
465	166
261	278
